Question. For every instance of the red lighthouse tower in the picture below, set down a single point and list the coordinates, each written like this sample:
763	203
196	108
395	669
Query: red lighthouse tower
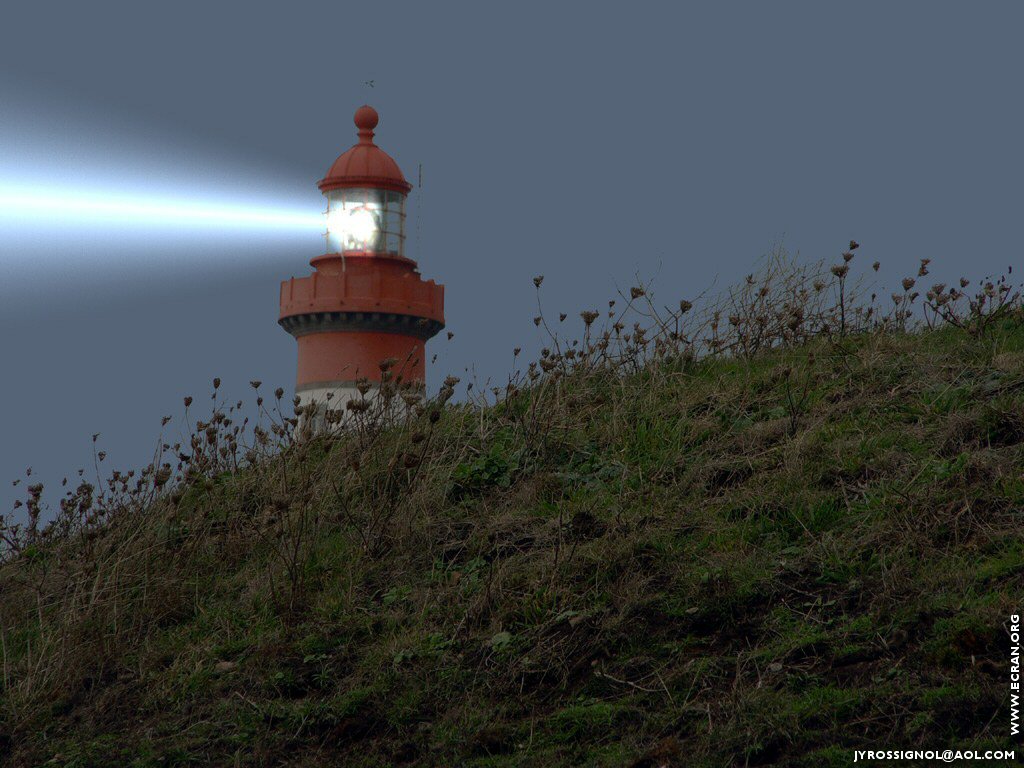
365	302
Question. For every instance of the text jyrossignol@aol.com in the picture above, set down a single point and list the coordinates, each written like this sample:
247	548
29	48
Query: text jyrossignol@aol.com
944	755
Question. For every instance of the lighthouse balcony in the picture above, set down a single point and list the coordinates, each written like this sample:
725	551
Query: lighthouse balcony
399	292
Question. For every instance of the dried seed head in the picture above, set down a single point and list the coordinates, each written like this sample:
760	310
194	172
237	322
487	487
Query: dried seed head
561	316
188	402
795	319
216	383
279	393
450	335
538	280
847	257
536	321
359	406
255	384
589	316
908	283
162	476
840	270
854	245
876	265
685	306
636	292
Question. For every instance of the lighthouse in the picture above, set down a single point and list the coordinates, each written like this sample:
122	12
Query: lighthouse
364	315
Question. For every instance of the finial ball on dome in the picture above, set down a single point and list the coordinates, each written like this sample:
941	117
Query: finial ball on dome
366	118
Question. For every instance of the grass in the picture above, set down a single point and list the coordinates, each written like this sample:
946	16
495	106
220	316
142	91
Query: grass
799	543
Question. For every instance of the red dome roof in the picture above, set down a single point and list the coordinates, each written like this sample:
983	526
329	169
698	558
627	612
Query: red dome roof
365	164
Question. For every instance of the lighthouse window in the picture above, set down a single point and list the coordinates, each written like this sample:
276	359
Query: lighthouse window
366	221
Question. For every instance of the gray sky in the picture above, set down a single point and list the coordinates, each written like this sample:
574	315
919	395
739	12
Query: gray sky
677	141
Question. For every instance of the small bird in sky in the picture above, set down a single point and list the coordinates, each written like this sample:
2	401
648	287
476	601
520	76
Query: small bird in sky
369	83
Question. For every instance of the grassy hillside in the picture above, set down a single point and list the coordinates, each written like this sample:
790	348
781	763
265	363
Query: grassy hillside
769	542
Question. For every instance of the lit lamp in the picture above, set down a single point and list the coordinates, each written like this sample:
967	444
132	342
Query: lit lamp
365	221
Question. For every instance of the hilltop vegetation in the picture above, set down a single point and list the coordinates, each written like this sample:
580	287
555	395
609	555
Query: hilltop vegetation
762	532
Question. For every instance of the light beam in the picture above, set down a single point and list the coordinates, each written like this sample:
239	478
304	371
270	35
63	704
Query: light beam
83	207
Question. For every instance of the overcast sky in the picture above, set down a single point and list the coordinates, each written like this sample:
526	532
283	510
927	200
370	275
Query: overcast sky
588	142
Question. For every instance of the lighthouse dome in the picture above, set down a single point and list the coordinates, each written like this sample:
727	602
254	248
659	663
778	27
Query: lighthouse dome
365	164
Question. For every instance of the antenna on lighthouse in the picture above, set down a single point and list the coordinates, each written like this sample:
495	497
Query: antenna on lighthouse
419	209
